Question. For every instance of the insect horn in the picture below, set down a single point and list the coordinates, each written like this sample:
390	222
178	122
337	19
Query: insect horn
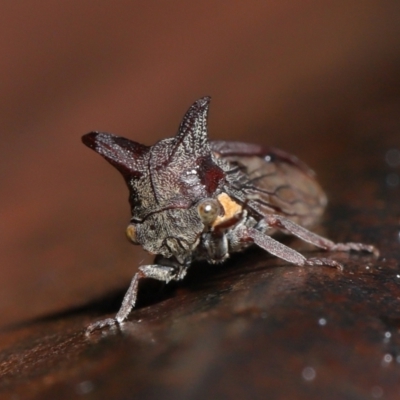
192	134
124	154
191	144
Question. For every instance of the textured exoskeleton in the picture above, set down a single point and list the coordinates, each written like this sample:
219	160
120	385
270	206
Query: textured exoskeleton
192	198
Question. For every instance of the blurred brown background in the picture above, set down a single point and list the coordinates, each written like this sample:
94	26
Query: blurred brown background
291	74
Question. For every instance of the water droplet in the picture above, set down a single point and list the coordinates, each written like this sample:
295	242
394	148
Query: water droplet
377	392
322	321
387	358
387	337
84	387
392	179
397	276
392	157
308	374
267	158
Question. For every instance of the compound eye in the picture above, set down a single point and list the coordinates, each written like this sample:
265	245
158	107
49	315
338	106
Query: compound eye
209	210
131	233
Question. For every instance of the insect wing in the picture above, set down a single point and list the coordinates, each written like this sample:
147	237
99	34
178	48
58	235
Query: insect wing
231	148
271	181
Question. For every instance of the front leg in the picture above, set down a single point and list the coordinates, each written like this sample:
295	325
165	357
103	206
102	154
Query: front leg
155	271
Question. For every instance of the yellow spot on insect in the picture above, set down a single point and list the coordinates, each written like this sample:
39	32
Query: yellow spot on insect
231	209
131	233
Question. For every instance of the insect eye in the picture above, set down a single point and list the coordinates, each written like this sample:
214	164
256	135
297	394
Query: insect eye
131	233
209	210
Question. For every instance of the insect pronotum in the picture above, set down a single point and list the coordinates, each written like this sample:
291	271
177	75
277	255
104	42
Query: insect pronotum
192	199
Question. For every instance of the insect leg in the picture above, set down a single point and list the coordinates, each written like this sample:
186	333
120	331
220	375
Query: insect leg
155	271
280	250
282	223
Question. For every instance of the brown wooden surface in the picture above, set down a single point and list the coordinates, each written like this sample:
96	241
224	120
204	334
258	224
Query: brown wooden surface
319	80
